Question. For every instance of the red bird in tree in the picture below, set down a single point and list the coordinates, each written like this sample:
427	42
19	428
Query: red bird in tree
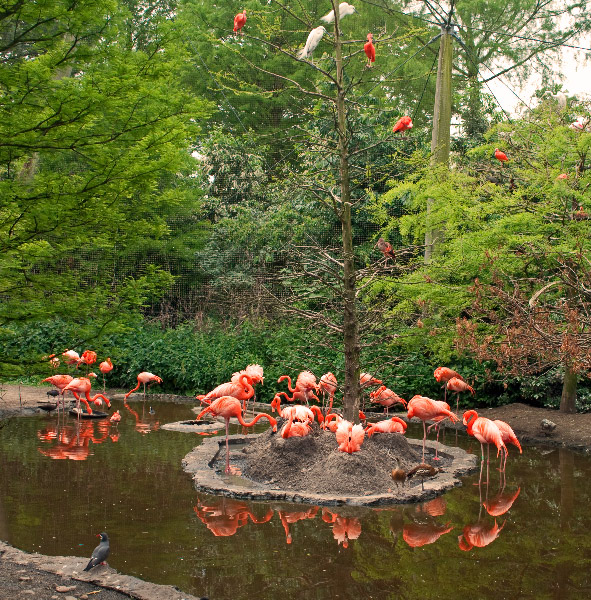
370	50
402	124
499	155
386	248
239	22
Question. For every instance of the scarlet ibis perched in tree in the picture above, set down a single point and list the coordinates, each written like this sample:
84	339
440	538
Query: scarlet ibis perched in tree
239	22
500	155
370	50
402	124
313	40
386	248
345	9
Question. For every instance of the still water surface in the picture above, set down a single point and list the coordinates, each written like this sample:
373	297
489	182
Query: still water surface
60	485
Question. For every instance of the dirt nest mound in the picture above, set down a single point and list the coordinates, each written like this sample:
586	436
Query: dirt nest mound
315	464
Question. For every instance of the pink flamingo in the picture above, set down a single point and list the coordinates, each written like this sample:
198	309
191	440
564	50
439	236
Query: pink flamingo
228	407
72	357
295	428
255	373
82	385
240	387
392	425
443	375
105	367
115	417
437	423
60	382
486	432
349	436
457	385
305	386
508	436
386	398
328	387
144	377
299	412
426	409
366	380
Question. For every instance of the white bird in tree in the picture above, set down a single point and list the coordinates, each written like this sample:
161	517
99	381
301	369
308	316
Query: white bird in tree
345	9
313	40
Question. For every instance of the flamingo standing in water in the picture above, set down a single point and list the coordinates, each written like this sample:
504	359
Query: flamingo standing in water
82	385
255	373
486	432
144	377
508	436
426	409
437	423
60	382
457	385
228	407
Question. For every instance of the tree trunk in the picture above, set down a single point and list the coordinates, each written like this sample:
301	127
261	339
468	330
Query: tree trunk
569	391
440	137
350	323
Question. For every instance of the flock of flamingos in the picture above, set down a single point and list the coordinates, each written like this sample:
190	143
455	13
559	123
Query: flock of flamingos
230	400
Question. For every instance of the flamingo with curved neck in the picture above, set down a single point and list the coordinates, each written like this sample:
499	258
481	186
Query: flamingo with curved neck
240	388
228	407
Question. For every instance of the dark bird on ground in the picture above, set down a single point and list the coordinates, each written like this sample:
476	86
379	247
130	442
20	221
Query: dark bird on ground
100	553
423	470
399	475
52	393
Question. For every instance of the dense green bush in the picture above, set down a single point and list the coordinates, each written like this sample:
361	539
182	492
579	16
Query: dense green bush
193	360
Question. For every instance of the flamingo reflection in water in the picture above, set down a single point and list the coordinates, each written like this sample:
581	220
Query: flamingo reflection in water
226	516
142	425
288	518
501	502
422	534
343	528
433	508
73	441
479	535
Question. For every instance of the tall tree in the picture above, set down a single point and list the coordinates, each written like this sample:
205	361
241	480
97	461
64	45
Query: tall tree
91	128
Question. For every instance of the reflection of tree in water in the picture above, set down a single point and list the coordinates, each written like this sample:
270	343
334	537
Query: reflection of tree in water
73	441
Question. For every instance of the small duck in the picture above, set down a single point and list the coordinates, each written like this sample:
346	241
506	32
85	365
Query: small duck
423	470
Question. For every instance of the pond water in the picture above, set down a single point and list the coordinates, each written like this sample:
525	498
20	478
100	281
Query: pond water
524	537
